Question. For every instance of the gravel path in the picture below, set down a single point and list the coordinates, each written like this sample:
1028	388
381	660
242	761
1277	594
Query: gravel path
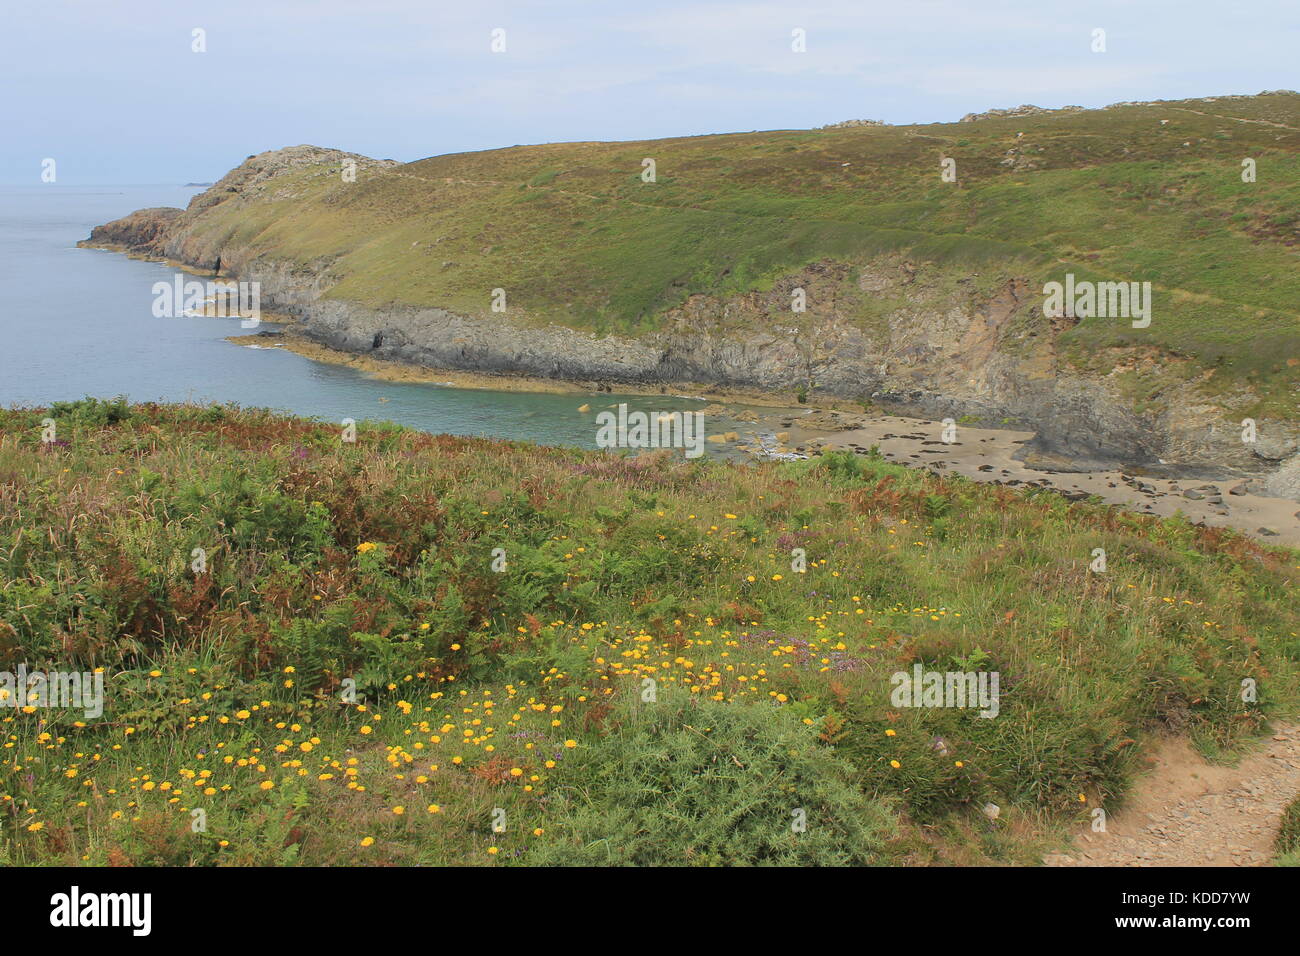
1186	812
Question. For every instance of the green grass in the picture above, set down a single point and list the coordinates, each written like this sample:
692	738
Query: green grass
648	680
577	238
1287	845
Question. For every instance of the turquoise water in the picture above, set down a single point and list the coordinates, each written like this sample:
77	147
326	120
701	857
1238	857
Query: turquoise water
77	322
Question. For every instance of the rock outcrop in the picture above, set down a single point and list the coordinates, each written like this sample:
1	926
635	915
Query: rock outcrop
1024	110
144	232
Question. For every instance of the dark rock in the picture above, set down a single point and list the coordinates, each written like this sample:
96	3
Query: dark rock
144	231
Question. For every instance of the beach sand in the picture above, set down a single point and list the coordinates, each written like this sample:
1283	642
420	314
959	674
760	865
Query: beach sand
982	454
986	454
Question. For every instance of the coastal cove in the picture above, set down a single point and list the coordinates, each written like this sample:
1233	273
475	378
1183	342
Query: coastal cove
80	323
99	337
681	435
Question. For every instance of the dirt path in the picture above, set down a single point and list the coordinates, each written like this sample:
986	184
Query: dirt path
1238	119
1186	812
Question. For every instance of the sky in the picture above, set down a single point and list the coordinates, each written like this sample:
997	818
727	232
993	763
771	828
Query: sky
115	93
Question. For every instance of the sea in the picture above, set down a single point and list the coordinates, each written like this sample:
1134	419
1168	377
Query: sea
77	322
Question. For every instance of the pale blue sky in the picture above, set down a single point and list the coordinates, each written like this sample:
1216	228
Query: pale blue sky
112	91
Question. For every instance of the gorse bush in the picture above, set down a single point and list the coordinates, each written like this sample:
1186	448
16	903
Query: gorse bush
380	644
842	464
92	411
253	515
1287	844
687	782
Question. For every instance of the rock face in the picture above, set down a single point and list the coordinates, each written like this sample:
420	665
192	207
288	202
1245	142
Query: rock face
1284	482
1025	110
249	180
143	232
932	349
163	232
933	358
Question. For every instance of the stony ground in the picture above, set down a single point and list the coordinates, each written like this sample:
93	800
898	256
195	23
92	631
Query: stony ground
990	454
1186	812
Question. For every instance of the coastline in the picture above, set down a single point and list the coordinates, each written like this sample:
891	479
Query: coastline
828	422
1078	424
390	370
995	455
980	454
291	338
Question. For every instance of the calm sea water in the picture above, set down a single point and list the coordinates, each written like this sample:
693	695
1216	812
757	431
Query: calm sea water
76	322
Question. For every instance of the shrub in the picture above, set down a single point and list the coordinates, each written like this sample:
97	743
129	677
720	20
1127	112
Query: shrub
689	782
93	411
1288	837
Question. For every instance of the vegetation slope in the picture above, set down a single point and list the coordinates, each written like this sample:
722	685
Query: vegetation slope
565	657
1143	192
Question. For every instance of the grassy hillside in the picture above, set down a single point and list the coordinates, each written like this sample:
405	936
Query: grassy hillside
523	689
1138	193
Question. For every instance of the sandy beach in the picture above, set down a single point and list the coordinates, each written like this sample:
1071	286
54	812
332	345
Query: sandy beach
986	454
981	454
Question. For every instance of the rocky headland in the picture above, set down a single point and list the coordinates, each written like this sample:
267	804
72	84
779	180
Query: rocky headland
895	329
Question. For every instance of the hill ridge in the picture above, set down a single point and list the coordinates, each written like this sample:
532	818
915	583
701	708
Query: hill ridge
920	293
